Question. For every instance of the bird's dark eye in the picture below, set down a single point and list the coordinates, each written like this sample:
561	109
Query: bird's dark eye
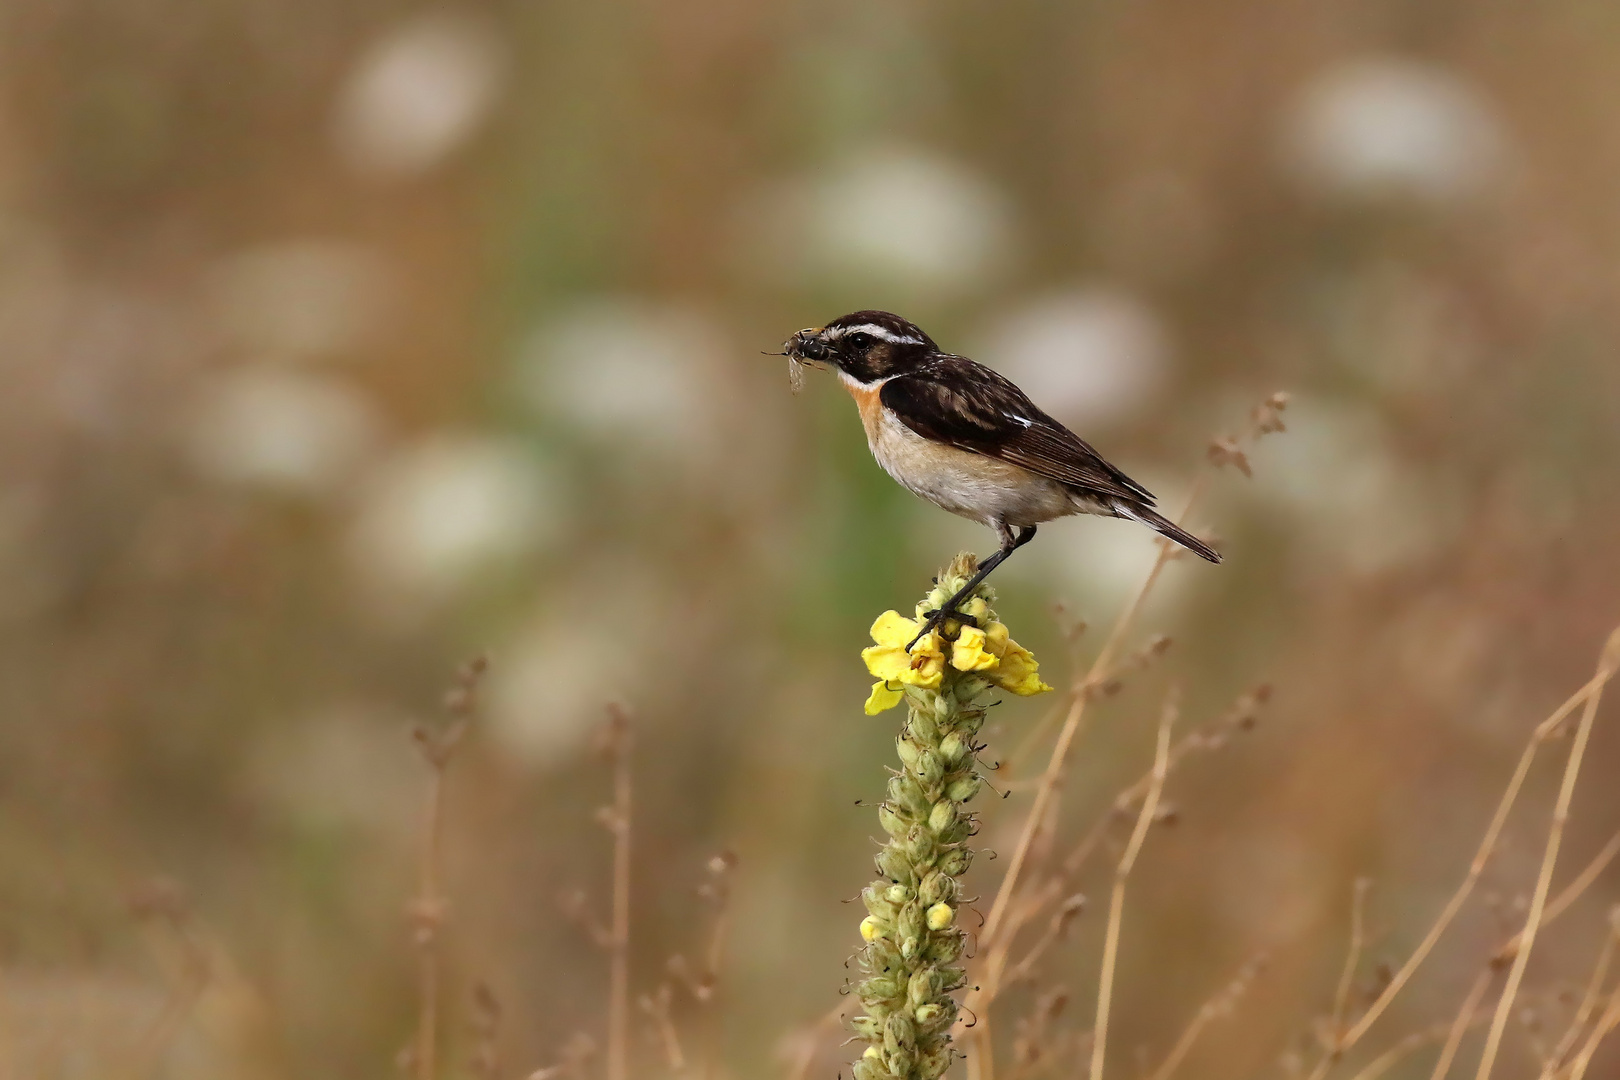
861	341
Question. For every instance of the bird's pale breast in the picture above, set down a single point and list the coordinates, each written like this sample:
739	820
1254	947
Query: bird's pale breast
972	485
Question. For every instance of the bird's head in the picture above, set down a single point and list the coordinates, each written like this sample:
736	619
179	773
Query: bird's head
864	345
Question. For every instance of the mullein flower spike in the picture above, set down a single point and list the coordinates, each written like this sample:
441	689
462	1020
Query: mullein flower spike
912	942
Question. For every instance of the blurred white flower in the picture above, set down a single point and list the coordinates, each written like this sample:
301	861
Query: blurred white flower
1354	497
610	613
629	370
541	707
890	217
279	429
299	298
437	512
418	93
1087	356
1378	125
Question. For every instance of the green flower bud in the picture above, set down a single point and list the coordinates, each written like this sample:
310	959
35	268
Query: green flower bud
962	790
934	888
892	823
952	747
897	894
942	816
894	865
955	862
907	751
923	986
880	988
899	1033
927	1014
905	792
923	726
930	770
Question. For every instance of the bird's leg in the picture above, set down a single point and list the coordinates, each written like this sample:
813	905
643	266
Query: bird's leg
947	610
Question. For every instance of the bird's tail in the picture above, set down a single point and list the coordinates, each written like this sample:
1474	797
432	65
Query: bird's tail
1166	528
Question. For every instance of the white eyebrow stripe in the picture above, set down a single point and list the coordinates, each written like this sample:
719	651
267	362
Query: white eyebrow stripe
878	332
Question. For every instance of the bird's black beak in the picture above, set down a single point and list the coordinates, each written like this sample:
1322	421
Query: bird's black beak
806	345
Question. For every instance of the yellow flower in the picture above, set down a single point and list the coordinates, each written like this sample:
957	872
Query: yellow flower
882	697
923	666
987	650
940	916
1018	672
970	652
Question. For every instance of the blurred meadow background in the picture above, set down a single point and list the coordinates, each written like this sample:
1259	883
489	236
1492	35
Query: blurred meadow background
342	341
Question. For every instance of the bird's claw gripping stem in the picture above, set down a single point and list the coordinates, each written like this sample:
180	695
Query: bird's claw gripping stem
933	619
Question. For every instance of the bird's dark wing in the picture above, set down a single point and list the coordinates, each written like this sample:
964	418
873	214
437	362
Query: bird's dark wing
956	401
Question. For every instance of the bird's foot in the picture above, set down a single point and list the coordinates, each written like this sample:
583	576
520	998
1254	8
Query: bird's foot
932	620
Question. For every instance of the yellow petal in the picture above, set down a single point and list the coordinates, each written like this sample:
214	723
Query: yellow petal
894	630
969	653
886	662
1018	672
882	698
927	667
996	638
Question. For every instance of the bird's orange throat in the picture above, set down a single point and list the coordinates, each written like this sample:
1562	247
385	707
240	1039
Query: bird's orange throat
866	400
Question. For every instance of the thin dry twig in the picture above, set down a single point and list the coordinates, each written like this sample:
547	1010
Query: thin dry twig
703	984
618	744
1216	1007
1610	1020
1459	1026
656	1006
1408	1046
162	901
1036	1045
429	909
485	1022
802	1052
575	1061
1056	929
1555	835
1240	716
1589	1000
1116	901
1352	959
1568	894
1482	856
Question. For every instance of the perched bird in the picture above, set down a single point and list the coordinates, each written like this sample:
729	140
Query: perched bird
969	441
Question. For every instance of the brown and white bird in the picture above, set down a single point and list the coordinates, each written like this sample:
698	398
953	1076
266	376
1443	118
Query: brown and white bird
969	441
